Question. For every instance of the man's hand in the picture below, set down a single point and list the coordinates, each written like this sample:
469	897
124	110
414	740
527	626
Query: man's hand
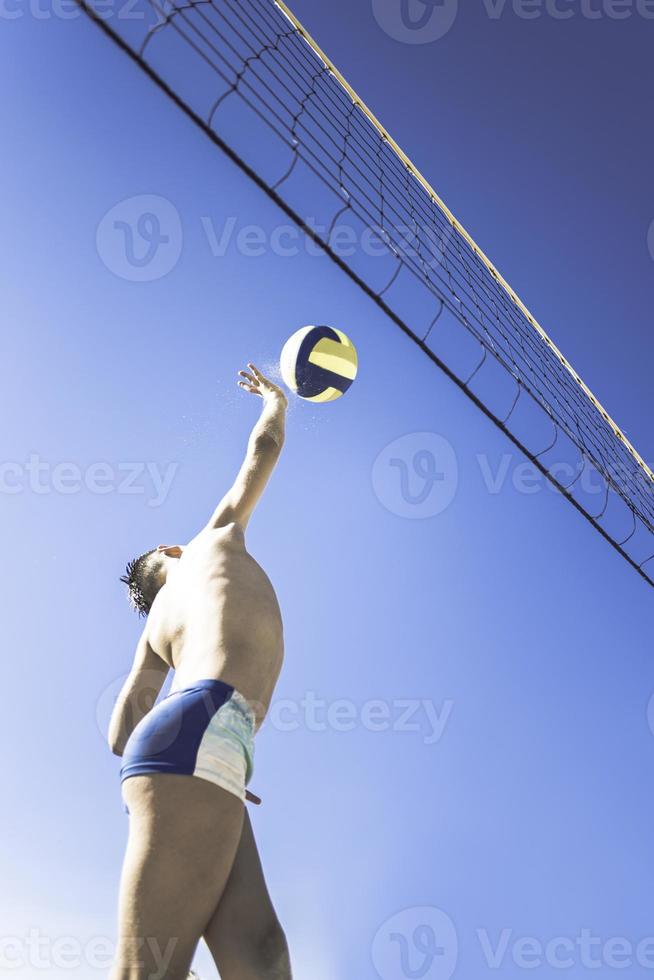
257	384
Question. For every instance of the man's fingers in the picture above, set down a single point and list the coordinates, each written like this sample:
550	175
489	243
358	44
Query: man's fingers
264	386
261	378
255	370
249	387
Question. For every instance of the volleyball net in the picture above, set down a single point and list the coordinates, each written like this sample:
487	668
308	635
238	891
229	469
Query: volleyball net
248	74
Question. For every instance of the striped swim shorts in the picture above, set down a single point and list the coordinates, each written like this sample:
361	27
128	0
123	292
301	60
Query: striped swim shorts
204	730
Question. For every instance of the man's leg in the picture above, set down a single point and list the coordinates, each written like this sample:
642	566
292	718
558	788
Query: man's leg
183	836
244	935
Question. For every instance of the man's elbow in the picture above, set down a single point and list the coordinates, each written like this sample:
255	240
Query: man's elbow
117	746
117	737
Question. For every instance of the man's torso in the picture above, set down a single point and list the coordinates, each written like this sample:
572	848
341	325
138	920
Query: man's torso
218	617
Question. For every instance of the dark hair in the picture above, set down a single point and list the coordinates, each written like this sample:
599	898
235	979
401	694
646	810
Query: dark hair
141	581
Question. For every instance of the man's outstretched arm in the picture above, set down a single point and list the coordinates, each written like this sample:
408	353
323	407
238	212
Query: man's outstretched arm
264	448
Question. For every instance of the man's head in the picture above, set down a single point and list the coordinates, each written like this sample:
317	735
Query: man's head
145	575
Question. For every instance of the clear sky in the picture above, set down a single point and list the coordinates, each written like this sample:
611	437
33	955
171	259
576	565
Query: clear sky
457	770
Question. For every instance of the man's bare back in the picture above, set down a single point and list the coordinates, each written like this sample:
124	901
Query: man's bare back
217	616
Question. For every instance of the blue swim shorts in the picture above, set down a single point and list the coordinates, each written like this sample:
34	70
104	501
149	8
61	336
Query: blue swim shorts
205	730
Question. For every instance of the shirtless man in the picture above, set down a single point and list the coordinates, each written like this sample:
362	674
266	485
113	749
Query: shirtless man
192	867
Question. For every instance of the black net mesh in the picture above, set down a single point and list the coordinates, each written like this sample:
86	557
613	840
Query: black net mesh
246	74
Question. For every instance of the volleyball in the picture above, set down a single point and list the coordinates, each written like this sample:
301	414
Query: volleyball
319	363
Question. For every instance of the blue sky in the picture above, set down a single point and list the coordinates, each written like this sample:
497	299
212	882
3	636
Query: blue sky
515	799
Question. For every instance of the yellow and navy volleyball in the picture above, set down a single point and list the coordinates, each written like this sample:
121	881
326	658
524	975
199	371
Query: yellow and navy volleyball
319	363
